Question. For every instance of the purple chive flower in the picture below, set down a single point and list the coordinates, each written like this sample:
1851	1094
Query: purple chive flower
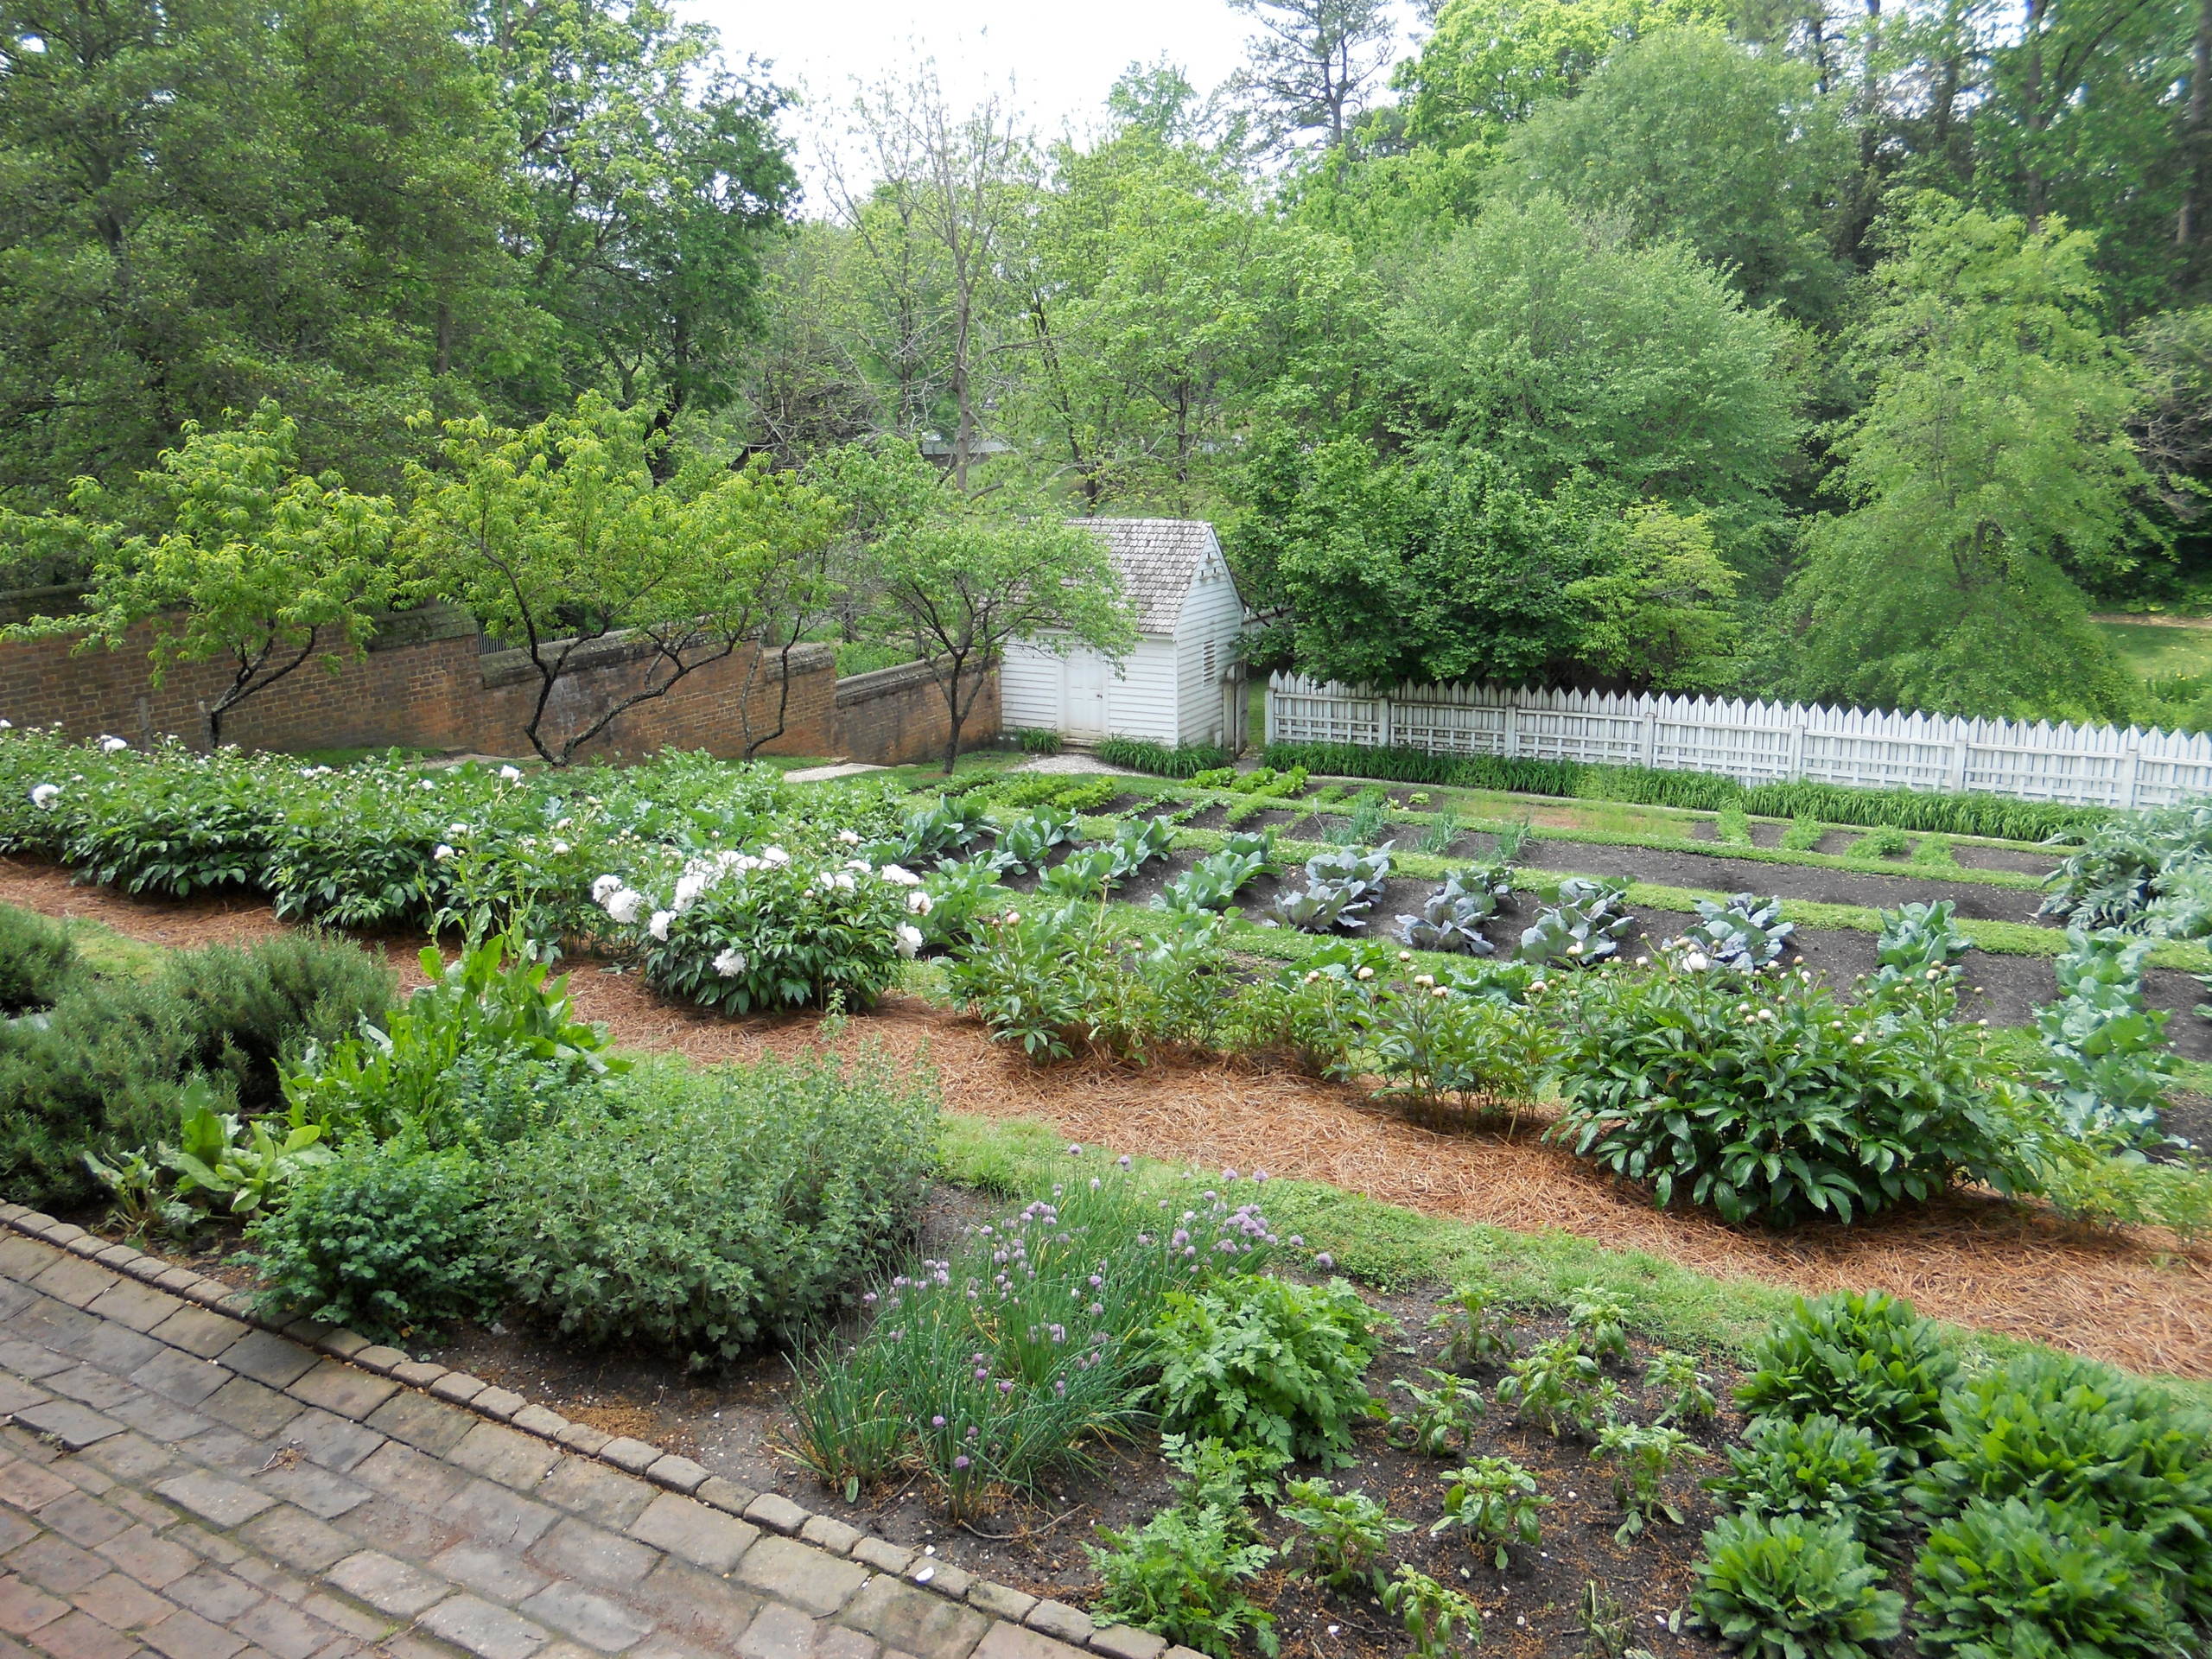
937	1422
960	1462
1325	1260
1005	1387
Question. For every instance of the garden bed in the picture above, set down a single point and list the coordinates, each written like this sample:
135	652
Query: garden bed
2131	1297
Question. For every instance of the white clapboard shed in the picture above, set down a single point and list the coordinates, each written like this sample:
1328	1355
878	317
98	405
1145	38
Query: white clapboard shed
1183	683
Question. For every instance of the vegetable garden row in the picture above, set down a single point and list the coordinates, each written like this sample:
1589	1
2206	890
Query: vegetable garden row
475	1153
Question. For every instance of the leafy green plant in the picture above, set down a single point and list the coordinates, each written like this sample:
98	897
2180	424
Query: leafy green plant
1211	883
483	1052
1088	873
2051	1426
1212	1474
1786	1588
1886	840
1494	1503
2040	1578
1142	754
1266	1361
1056	1302
240	1169
1817	1467
1764	1097
1599	1319
1451	917
1933	853
1136	844
1443	829
1862	1357
384	1239
1731	828
1438	1042
1916	941
1181	1576
1586	925
1475	1327
1027	842
2134	870
1556	1384
1742	932
1687	1392
1437	1618
1035	740
2107	1065
1640	1461
697	1210
1345	1533
1436	1416
1803	834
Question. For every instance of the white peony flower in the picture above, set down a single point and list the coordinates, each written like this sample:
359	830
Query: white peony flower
658	927
9	725
110	745
848	837
604	887
42	796
774	858
511	774
687	889
560	847
910	939
860	864
441	852
625	906
899	875
456	831
842	879
919	903
1365	973
1697	961
729	965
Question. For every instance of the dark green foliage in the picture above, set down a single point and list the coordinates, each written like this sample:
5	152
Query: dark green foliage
1347	1533
1264	1361
2040	1580
104	1072
245	1010
1767	1098
1815	1466
698	1210
1142	754
385	1239
1863	1356
2122	1454
1181	1576
1953	815
37	958
1786	1588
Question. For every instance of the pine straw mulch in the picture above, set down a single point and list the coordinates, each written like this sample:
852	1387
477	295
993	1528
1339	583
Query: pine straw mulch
2131	1297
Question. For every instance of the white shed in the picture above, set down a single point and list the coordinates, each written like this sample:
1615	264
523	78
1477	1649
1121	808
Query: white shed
1183	683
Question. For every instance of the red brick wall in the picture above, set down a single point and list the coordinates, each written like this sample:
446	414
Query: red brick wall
896	717
423	684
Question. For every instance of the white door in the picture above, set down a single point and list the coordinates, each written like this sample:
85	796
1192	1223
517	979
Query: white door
1086	673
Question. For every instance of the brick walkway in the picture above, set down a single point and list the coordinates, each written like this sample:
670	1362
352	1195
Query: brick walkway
175	1481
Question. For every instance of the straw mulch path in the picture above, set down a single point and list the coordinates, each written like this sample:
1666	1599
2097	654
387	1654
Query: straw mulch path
2130	1297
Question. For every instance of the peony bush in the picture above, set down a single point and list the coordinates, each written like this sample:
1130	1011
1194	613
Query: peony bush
744	931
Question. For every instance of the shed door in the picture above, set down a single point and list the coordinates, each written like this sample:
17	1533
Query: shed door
1086	673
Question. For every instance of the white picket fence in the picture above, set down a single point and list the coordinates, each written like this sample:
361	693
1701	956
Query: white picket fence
1756	742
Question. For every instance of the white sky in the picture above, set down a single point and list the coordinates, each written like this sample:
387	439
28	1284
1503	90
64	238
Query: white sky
1060	57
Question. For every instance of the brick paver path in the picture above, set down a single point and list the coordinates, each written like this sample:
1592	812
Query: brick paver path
174	1482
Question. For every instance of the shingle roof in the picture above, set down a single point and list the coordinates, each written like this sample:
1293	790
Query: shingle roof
1158	559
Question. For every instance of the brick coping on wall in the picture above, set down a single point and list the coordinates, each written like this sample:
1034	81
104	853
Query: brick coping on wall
677	1474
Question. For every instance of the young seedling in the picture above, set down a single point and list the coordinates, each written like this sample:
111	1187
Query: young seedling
1476	1333
1557	1386
1495	1503
1600	1319
1688	1391
1438	1416
1641	1461
1435	1616
1346	1532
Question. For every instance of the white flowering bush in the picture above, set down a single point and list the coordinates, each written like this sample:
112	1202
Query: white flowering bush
1763	1096
776	928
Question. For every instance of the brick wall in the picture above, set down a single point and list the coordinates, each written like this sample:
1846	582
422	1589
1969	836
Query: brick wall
423	684
896	717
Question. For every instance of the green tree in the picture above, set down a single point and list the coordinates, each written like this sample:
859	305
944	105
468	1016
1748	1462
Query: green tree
1990	466
1167	310
1662	616
1689	136
1309	66
558	538
208	204
258	567
1569	352
959	585
1450	568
